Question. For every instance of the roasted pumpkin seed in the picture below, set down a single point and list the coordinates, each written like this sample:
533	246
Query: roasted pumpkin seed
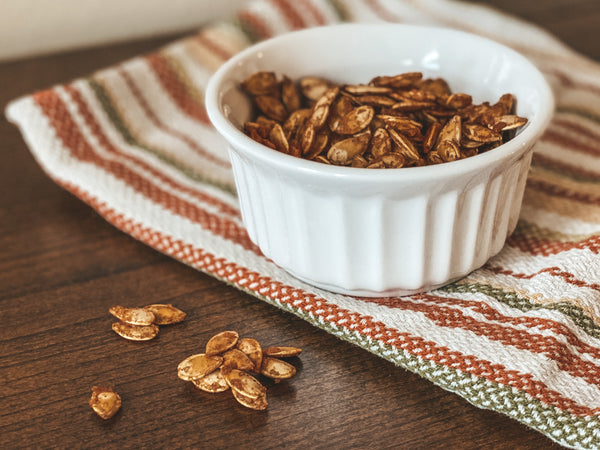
221	342
198	366
135	332
105	402
166	314
133	316
213	383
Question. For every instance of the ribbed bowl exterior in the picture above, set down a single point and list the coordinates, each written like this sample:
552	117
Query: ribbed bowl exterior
385	243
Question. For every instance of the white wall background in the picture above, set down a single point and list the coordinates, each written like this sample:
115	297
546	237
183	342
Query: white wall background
33	27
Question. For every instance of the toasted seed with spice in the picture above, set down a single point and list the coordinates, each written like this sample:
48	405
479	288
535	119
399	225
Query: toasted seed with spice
105	402
508	122
271	107
260	83
258	403
403	145
319	143
448	151
355	120
213	382
339	108
393	160
244	383
451	131
277	137
401	123
282	352
253	350
236	359
401	81
433	157
457	101
165	314
313	87
221	342
480	133
375	100
431	136
467	144
321	108
364	89
376	164
276	368
343	151
135	332
307	137
198	366
437	86
508	102
132	316
290	95
408	106
414	94
359	161
381	143
295	121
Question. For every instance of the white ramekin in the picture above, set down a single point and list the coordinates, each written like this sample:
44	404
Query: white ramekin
380	232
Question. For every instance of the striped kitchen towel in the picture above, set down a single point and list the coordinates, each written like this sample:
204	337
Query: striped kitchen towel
520	336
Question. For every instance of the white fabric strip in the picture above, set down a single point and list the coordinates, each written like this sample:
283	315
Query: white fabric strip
117	140
197	74
110	156
173	146
522	262
555	222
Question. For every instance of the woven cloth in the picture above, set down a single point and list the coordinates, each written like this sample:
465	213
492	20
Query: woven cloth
520	336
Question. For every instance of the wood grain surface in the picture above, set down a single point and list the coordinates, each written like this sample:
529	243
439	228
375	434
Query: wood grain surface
62	266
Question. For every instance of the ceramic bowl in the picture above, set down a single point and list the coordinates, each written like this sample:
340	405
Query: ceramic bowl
381	232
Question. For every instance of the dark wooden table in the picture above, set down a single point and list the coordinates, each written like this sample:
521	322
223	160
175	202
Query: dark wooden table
62	266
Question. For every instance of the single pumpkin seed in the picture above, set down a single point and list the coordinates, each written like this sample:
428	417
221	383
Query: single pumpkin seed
282	352
105	402
480	133
431	136
363	89
133	316
458	100
253	350
244	383
277	137
213	382
355	120
342	152
260	83
221	342
508	122
165	314
313	87
381	143
403	145
135	332
198	366
236	359
276	368
290	96
271	107
258	403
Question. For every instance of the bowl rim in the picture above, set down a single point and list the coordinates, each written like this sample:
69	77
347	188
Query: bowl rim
291	164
